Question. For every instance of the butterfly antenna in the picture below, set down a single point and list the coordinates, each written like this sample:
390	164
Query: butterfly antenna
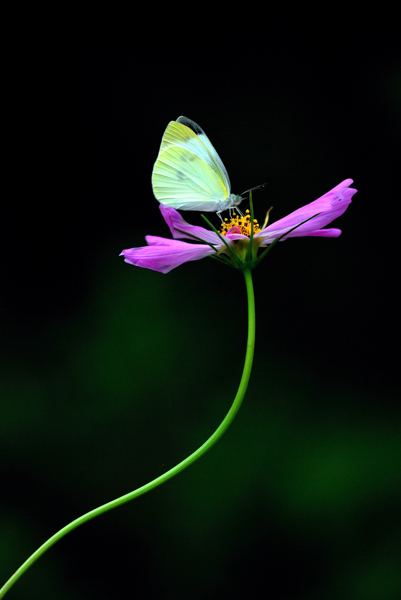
257	187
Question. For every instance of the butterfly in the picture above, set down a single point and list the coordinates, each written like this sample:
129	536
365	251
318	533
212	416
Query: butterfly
188	173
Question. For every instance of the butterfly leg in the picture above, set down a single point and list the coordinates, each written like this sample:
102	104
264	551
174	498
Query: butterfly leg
232	210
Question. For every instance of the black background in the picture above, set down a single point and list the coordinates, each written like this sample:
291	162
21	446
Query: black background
111	374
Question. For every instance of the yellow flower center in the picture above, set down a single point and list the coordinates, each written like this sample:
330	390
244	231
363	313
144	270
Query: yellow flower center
241	223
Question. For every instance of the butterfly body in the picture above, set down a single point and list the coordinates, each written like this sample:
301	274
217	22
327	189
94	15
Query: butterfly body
188	173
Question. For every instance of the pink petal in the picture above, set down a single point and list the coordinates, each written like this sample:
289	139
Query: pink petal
163	255
175	221
330	206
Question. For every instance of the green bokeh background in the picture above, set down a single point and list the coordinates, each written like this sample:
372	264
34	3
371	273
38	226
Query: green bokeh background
111	375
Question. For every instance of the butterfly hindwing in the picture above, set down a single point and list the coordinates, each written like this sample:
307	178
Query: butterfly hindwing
186	184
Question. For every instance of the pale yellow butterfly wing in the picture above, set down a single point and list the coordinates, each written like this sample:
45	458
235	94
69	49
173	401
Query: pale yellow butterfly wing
188	173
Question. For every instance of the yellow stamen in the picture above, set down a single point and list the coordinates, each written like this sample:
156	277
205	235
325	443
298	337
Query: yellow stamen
242	222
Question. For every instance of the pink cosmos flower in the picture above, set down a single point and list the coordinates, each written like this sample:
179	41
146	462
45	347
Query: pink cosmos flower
163	255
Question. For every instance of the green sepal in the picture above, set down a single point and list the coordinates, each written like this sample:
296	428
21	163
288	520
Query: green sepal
230	250
250	249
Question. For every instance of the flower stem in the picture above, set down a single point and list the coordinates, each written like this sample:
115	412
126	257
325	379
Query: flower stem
175	470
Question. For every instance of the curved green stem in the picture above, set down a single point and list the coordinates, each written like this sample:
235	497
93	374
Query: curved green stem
175	470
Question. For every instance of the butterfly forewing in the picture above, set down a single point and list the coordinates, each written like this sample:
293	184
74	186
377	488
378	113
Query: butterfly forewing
205	140
180	135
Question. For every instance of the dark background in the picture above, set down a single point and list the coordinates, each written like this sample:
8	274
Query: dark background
110	375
